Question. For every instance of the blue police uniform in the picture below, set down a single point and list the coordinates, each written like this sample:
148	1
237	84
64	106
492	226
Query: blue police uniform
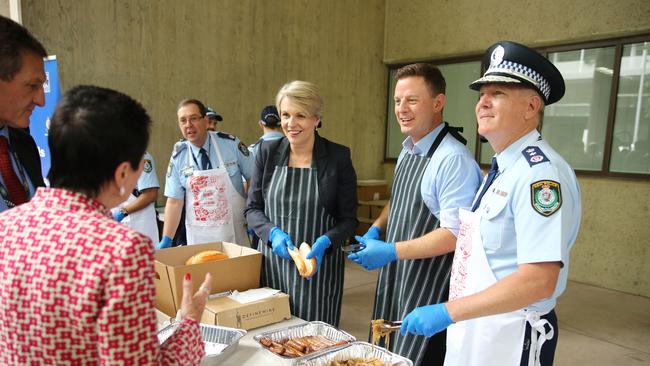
148	178
236	157
531	212
273	135
19	170
450	179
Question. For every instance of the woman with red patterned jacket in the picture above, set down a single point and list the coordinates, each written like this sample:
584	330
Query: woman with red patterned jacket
76	287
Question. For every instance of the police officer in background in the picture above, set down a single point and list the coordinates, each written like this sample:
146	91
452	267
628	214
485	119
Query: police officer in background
269	123
139	211
512	254
21	89
205	172
213	118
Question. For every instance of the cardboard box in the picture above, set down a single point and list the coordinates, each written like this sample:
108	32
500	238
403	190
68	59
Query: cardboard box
226	312
364	225
371	209
241	271
372	190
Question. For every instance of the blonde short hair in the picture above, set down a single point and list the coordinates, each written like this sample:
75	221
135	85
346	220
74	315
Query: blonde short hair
303	93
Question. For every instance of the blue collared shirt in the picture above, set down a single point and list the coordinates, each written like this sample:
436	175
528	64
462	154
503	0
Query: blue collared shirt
236	157
451	178
273	135
4	131
148	178
514	228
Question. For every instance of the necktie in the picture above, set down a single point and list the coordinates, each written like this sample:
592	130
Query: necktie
490	178
205	160
15	189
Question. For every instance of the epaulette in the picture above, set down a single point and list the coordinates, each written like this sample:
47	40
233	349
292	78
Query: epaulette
179	146
534	155
227	136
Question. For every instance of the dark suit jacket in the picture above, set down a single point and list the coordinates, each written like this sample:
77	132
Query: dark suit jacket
337	186
24	146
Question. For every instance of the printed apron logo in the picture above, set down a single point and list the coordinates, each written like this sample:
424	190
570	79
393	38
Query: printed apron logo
546	197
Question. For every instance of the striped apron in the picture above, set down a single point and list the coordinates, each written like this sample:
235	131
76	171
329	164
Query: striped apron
406	284
292	203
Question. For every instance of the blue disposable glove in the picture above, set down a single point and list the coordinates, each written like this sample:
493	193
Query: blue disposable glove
318	249
279	242
373	233
376	253
166	242
118	215
426	320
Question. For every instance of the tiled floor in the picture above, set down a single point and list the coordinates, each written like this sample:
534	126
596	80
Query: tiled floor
597	326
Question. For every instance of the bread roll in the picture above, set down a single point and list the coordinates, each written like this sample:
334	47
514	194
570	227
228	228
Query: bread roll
306	267
206	256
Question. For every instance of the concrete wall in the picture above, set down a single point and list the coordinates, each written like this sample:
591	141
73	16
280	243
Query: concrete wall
613	248
232	54
4	8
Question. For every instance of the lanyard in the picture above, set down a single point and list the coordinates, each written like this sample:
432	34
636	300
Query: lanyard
23	179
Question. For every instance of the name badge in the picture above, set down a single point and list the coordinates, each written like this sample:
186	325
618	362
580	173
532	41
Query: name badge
187	171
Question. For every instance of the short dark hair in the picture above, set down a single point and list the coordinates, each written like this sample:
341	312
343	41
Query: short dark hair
94	130
202	109
15	41
431	74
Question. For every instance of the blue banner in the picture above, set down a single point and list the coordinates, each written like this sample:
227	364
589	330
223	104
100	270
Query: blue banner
39	122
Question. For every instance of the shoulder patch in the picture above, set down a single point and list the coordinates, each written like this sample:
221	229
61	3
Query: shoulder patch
178	147
243	149
534	155
147	166
224	135
546	197
169	168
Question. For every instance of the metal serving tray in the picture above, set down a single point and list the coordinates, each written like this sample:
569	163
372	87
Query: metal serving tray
314	328
355	350
220	342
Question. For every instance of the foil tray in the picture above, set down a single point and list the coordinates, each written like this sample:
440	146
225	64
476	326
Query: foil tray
220	342
314	328
355	350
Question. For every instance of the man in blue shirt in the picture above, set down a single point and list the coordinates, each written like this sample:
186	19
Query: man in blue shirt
434	176
205	172
21	89
512	254
269	123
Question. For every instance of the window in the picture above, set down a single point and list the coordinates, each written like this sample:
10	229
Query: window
602	124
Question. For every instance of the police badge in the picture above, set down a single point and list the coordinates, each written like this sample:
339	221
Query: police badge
546	197
147	166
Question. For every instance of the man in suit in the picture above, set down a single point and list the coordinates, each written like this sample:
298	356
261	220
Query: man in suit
22	76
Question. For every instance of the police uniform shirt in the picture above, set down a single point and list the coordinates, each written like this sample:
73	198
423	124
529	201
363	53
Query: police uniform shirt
4	131
236	157
531	212
273	135
451	178
148	178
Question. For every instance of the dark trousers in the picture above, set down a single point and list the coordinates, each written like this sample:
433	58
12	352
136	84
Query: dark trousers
436	349
548	348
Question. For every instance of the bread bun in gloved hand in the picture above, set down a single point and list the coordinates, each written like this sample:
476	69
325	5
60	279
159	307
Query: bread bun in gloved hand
306	267
206	256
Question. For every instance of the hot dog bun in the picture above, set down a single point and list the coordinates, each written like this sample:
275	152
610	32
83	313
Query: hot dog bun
206	256
306	267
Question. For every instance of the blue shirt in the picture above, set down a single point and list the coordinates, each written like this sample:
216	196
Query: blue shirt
4	131
148	178
236	157
273	135
451	178
531	212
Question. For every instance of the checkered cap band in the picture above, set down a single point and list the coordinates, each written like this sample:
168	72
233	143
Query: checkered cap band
523	72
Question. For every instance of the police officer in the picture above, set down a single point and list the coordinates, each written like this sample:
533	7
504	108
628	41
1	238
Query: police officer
269	123
434	176
21	89
138	211
512	253
205	171
213	118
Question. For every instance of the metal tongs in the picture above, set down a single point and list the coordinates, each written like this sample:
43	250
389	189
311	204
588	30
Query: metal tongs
388	325
353	248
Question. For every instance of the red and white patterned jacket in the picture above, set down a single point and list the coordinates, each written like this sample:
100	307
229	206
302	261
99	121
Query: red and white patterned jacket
77	288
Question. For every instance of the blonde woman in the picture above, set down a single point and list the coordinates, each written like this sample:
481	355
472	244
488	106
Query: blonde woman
303	190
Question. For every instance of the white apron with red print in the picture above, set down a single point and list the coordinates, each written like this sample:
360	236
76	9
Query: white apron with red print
214	210
491	340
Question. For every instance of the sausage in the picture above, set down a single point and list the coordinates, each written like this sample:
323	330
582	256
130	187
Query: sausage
295	344
265	341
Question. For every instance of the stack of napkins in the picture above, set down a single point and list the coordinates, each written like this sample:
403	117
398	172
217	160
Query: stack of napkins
253	295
